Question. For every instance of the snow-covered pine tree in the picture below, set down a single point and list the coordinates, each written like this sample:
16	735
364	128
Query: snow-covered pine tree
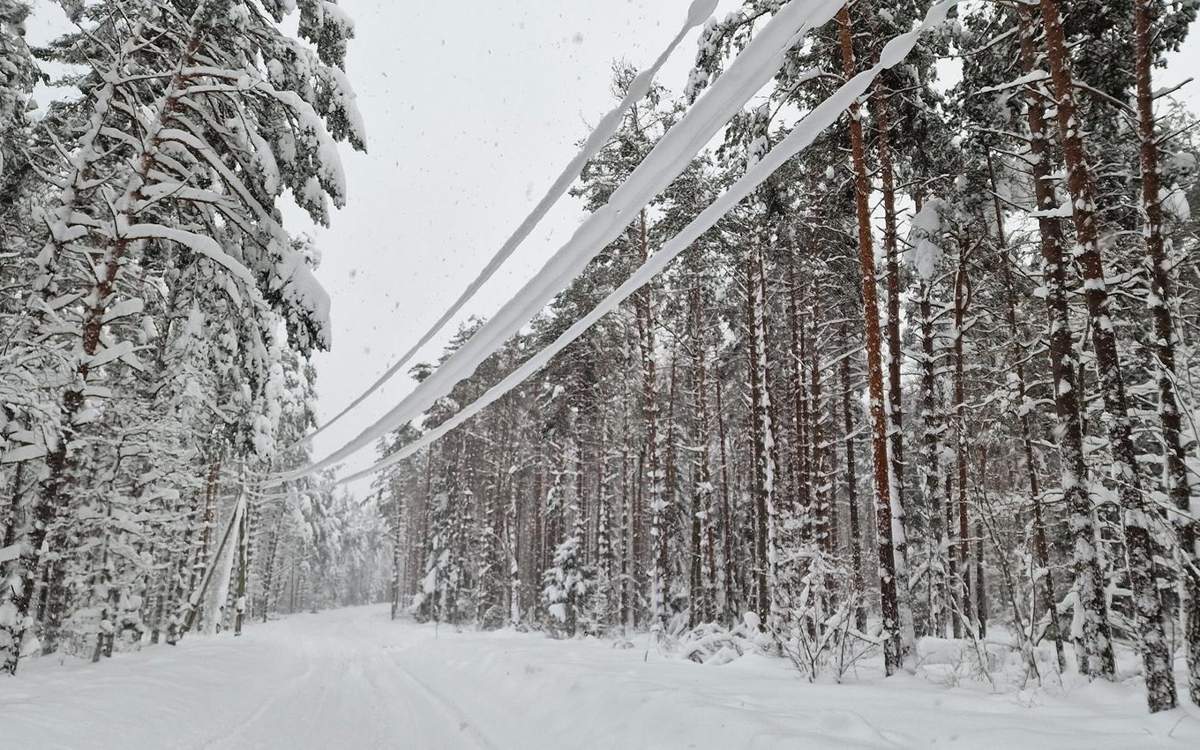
230	111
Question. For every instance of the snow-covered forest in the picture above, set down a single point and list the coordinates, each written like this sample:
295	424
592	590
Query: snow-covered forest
871	364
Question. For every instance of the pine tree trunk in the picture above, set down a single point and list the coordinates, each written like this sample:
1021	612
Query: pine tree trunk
512	523
1156	657
243	567
158	613
762	437
894	648
931	472
102	581
397	553
268	585
1041	547
823	509
895	412
857	579
604	566
729	577
654	472
1093	647
703	609
625	603
1160	301
672	522
962	586
184	570
800	465
981	602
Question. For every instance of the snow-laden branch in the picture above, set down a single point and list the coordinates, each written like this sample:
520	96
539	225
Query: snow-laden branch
197	243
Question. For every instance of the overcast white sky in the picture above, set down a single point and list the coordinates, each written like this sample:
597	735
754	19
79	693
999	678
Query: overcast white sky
472	108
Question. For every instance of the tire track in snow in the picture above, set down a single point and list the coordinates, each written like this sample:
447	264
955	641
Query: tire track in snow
387	695
447	707
296	684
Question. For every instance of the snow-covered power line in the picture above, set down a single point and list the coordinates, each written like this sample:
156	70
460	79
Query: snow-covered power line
699	11
802	136
746	75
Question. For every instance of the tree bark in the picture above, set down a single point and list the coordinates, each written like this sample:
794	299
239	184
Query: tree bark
1041	548
656	495
894	648
1093	647
801	467
857	580
962	295
762	438
1160	302
730	569
703	587
882	101
1156	657
937	586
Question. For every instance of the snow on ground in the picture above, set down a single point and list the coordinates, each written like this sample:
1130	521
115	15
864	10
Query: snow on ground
354	679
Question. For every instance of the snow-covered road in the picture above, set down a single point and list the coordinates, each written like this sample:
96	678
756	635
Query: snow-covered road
353	679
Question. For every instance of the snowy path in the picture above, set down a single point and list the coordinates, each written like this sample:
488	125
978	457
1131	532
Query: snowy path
353	679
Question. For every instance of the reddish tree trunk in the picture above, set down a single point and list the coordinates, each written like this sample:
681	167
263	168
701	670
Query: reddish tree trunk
1157	265
888	594
1156	657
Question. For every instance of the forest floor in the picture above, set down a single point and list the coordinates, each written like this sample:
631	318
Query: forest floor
354	679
